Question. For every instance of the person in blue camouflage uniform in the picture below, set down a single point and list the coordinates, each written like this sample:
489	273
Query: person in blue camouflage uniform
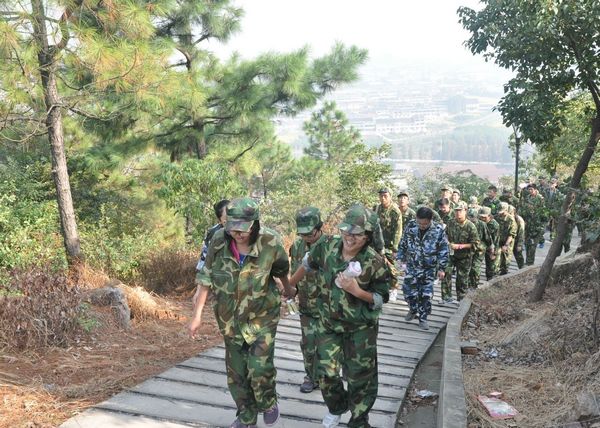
240	265
506	237
462	240
424	251
485	241
308	227
349	313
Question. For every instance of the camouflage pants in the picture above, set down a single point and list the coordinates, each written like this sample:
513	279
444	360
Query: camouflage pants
490	266
356	350
251	376
462	267
475	272
518	253
505	258
308	344
532	239
418	294
393	270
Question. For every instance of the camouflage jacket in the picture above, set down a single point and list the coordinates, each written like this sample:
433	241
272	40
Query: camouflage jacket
511	200
493	229
520	238
465	233
310	286
426	253
494	204
508	228
485	239
407	216
533	211
341	311
445	218
247	300
390	219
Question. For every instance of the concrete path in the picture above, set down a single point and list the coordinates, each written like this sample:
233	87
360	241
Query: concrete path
194	392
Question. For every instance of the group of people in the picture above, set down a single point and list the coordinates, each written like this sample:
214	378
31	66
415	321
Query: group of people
341	283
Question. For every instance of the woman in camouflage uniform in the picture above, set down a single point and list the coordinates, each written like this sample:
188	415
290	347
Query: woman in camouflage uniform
240	265
349	318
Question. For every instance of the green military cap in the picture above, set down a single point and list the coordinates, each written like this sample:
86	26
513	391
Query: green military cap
357	220
241	213
472	213
507	190
472	199
445	188
460	205
384	190
485	211
403	193
307	219
456	191
503	207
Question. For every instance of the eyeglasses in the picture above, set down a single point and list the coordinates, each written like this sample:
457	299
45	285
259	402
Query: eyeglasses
354	235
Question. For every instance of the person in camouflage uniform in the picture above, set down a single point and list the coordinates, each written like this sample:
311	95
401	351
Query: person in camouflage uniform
445	193
349	312
507	196
520	238
463	240
308	227
491	200
219	209
506	237
533	211
445	211
474	203
242	260
492	226
424	251
408	213
390	219
485	241
455	197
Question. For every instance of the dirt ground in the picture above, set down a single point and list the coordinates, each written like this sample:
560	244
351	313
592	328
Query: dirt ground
542	357
42	390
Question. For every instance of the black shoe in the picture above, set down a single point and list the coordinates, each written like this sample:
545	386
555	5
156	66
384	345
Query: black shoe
410	316
308	386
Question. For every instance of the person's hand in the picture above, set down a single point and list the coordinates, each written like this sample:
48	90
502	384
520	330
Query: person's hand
441	275
519	248
505	249
347	283
194	325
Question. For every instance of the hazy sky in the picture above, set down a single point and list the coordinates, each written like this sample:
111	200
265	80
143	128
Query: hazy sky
399	29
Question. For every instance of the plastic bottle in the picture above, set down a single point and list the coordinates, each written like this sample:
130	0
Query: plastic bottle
353	270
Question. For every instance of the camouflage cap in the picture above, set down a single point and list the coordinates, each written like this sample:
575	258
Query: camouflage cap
403	193
445	189
456	191
503	208
384	190
356	220
483	211
241	213
472	213
307	219
460	205
472	199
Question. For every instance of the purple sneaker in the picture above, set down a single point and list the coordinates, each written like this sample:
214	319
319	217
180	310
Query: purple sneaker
271	416
238	424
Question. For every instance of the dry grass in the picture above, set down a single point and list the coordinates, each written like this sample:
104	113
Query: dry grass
547	354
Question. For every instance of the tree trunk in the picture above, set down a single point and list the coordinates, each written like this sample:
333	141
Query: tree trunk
561	230
54	126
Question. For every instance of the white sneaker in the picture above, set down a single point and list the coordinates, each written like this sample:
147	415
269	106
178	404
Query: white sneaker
393	295
330	421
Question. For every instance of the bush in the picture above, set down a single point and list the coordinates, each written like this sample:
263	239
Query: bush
39	309
169	270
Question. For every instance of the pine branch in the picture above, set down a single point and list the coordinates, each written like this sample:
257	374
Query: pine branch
243	152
